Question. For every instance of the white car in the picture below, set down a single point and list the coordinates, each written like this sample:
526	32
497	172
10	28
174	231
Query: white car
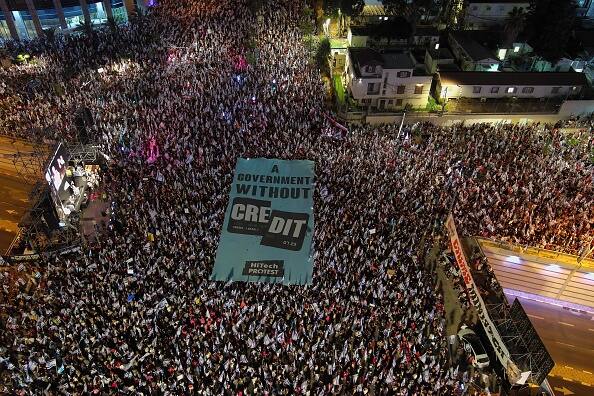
472	344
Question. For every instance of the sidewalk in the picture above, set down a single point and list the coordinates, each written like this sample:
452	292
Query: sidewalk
454	313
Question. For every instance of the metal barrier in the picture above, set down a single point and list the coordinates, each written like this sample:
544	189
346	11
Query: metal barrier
570	258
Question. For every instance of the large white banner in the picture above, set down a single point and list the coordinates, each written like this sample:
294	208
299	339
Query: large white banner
473	293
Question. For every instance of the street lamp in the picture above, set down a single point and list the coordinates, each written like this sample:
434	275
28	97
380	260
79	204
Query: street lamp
569	92
326	26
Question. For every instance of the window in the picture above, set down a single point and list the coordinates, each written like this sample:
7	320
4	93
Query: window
556	90
419	89
501	8
474	8
488	8
476	90
400	89
370	68
384	91
527	90
398	102
390	102
370	88
403	74
366	101
517	48
511	89
495	90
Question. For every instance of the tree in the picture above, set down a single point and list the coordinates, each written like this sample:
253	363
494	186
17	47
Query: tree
344	10
305	23
549	25
450	13
411	10
514	24
322	55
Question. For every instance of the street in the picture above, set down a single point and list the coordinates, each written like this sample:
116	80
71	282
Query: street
568	335
565	388
13	194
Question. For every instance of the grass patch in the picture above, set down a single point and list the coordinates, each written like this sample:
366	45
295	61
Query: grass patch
338	88
338	43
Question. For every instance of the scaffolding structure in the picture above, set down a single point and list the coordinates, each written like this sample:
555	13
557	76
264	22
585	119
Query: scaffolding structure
30	159
83	153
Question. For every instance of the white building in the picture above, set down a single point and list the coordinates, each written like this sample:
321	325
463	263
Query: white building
484	14
521	85
389	80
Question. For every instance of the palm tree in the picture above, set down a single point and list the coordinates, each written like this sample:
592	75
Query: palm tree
514	24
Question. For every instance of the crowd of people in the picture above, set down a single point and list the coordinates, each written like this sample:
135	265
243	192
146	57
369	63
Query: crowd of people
177	96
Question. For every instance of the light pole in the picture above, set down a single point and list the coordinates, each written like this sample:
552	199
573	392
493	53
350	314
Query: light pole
445	100
326	26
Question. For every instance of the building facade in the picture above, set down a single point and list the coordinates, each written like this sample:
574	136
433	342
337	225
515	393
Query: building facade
386	81
27	19
520	85
485	14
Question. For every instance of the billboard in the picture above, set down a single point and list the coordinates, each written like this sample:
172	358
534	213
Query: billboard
54	175
268	226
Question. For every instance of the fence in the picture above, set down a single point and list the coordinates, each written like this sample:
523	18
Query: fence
570	258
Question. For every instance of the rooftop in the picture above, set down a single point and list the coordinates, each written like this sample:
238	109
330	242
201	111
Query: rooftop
368	30
398	60
513	78
366	56
450	67
441	53
388	60
475	51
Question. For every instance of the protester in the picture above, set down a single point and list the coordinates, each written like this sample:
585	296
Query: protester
177	96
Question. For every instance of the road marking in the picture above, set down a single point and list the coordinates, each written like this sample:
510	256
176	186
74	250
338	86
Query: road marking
567	324
569	367
587	372
562	343
538	317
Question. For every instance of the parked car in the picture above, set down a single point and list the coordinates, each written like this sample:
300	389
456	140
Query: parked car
473	345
